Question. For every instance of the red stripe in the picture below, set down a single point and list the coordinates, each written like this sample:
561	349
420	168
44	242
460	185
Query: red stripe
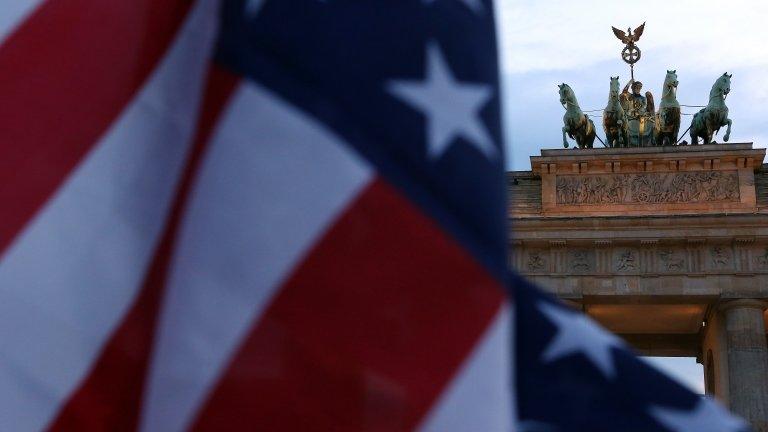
65	75
110	396
365	334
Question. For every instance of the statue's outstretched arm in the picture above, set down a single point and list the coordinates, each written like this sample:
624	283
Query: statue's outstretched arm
626	87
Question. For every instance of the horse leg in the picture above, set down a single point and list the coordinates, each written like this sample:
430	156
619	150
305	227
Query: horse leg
581	140
565	142
728	131
675	131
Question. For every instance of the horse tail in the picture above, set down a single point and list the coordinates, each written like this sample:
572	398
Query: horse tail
591	133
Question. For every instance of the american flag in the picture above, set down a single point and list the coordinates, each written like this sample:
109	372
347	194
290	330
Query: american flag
279	215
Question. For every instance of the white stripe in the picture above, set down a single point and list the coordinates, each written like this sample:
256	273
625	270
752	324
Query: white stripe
13	13
70	276
272	182
479	398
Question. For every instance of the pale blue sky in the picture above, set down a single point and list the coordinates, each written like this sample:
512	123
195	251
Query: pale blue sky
684	369
545	43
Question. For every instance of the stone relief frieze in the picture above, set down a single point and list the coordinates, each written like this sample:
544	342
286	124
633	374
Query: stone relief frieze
647	188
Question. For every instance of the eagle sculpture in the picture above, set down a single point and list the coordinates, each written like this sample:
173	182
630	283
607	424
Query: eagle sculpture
631	38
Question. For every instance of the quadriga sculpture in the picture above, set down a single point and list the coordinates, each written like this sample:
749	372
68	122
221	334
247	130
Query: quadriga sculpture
710	119
576	124
668	118
615	118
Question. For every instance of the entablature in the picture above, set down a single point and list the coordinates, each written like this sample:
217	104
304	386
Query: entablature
713	178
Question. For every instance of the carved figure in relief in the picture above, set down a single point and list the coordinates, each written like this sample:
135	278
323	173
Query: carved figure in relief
685	189
626	261
565	190
647	188
535	262
762	260
672	260
617	193
720	257
580	261
718	189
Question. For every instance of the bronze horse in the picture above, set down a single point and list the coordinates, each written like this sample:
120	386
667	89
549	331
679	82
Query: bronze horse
615	122
710	119
668	118
576	124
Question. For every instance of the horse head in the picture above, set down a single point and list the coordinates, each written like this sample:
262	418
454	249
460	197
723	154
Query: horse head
567	96
670	83
613	94
722	86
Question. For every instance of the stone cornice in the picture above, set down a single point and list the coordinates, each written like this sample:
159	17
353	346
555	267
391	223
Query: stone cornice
635	154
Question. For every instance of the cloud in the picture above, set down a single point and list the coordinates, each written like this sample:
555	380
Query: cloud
546	35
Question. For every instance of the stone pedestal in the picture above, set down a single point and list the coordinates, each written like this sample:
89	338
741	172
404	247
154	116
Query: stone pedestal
747	360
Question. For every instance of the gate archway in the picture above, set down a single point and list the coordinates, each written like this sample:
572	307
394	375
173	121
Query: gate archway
665	246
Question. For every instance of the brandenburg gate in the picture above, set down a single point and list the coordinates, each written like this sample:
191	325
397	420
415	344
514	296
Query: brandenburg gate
666	246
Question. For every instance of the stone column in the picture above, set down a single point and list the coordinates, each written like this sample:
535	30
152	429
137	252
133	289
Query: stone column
747	361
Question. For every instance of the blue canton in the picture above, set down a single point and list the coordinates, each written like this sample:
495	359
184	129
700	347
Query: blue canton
412	86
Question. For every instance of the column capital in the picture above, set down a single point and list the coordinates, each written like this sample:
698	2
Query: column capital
743	304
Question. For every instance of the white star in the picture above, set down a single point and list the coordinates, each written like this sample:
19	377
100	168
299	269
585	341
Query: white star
451	106
577	334
707	416
475	6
